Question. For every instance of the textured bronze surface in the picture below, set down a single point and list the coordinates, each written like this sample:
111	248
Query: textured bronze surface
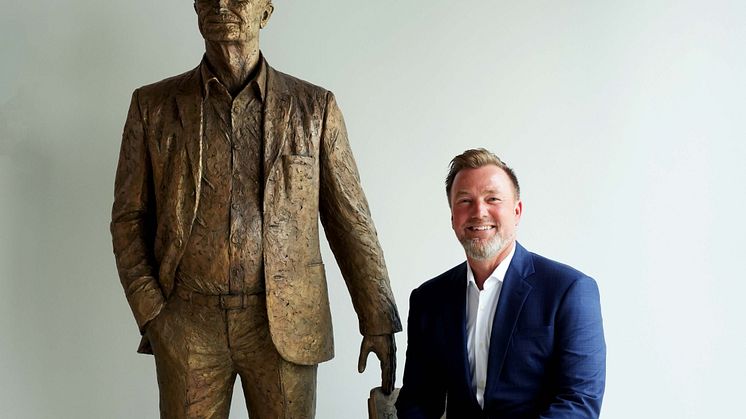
223	174
380	405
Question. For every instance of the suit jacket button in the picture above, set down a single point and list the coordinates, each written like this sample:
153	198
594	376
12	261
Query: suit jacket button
179	243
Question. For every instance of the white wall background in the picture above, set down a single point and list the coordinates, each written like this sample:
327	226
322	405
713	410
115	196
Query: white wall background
623	119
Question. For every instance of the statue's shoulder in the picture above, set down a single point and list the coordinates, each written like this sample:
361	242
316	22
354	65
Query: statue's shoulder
295	86
170	86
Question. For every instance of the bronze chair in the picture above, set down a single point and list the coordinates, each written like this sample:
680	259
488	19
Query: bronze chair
381	406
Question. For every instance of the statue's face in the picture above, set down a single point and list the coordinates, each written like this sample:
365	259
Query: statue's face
232	20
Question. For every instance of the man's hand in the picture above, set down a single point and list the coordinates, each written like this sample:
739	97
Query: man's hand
384	347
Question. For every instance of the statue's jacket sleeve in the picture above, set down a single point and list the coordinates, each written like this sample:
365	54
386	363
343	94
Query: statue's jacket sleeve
309	174
314	176
350	230
133	223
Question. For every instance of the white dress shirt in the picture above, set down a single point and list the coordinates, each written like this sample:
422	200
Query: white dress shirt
480	312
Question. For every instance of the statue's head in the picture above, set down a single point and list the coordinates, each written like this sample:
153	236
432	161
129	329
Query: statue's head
232	20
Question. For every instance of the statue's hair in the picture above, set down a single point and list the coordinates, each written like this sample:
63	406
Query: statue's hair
474	159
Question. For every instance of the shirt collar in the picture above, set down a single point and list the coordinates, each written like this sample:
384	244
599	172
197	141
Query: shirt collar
498	273
258	83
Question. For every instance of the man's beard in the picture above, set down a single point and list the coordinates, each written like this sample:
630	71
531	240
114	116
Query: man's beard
483	249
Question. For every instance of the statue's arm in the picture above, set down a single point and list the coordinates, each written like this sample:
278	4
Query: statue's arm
350	231
353	239
133	221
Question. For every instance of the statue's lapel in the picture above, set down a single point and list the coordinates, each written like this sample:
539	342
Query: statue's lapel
189	103
277	110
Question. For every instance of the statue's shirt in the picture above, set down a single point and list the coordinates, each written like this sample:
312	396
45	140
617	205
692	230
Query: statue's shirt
224	252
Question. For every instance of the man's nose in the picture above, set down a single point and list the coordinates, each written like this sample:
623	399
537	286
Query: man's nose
479	209
222	6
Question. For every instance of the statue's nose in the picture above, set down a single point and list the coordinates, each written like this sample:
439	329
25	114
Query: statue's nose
222	7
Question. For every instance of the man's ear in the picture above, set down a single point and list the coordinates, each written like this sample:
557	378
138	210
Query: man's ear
266	14
518	211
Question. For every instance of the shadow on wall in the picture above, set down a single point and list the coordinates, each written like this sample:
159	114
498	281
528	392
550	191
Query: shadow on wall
25	179
57	274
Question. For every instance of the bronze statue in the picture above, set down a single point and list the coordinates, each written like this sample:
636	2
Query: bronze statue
223	174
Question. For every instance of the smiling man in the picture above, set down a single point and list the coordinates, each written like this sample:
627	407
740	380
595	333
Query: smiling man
224	172
508	333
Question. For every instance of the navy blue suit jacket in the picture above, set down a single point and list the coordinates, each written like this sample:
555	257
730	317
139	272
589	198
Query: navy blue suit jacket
547	355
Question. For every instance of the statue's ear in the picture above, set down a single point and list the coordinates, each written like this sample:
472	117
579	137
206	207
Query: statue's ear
267	14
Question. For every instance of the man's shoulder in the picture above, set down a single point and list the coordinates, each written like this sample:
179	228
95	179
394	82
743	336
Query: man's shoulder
557	273
445	283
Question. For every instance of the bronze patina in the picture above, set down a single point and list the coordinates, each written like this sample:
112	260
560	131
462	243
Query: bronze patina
223	174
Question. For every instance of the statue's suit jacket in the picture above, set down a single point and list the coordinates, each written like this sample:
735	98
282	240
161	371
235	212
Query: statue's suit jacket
547	353
309	172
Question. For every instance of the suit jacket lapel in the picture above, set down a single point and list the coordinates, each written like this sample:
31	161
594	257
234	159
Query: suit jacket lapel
510	303
189	103
277	109
456	316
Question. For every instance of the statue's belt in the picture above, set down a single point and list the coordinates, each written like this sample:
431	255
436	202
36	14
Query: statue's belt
223	301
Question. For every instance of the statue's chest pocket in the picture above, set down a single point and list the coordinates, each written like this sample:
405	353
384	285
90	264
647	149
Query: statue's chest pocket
299	173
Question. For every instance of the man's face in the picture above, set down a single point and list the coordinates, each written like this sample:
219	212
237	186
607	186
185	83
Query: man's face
232	20
484	211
